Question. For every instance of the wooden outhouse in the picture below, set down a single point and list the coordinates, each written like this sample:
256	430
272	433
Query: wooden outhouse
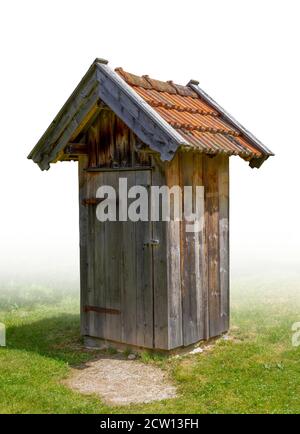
150	284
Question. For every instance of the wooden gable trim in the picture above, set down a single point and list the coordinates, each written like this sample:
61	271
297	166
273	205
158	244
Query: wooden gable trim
103	85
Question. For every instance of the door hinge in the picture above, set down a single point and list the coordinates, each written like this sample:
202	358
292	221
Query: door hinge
99	309
92	201
95	201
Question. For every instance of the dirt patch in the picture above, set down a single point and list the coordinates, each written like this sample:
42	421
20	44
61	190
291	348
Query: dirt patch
121	382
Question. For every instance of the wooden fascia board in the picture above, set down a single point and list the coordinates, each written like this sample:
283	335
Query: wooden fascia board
46	155
63	117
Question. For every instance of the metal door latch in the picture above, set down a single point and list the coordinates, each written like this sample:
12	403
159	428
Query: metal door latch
152	243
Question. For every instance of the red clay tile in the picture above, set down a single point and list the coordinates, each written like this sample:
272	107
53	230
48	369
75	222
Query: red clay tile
198	123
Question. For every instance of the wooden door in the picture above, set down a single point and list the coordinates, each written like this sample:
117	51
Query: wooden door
119	300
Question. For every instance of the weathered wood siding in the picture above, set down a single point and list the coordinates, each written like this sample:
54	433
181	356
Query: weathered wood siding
169	295
112	144
116	268
160	276
224	241
83	241
203	256
174	297
216	174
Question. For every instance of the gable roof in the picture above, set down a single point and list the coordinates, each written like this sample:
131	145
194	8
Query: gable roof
164	115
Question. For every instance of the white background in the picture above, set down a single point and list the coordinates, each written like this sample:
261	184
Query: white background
245	55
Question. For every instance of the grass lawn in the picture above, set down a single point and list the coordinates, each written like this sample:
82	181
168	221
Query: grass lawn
256	371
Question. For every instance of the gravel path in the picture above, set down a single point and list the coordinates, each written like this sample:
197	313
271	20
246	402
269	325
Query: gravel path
120	382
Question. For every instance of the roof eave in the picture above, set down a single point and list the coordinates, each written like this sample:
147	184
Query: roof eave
257	162
254	162
78	96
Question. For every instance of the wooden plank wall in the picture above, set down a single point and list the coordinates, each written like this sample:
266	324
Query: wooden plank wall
144	274
191	256
174	296
160	276
83	242
224	241
116	267
135	274
212	234
107	271
179	289
216	175
112	144
203	272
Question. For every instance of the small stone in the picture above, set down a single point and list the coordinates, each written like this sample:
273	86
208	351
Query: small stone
197	350
131	357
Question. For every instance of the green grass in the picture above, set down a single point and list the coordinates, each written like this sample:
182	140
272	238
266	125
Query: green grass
256	371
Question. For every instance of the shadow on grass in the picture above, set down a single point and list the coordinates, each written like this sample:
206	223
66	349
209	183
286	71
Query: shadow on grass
57	337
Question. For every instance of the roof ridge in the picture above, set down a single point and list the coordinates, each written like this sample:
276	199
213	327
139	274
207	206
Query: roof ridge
146	82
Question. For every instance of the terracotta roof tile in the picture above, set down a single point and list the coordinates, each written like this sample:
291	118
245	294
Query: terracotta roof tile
160	86
183	90
133	80
197	122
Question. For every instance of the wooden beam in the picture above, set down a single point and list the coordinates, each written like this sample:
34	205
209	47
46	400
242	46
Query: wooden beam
99	309
76	149
118	169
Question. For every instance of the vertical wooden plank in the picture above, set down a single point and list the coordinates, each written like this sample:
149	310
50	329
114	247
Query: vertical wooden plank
173	264
204	257
212	228
83	241
104	259
95	293
224	240
128	272
110	252
144	287
201	251
190	271
92	139
160	277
